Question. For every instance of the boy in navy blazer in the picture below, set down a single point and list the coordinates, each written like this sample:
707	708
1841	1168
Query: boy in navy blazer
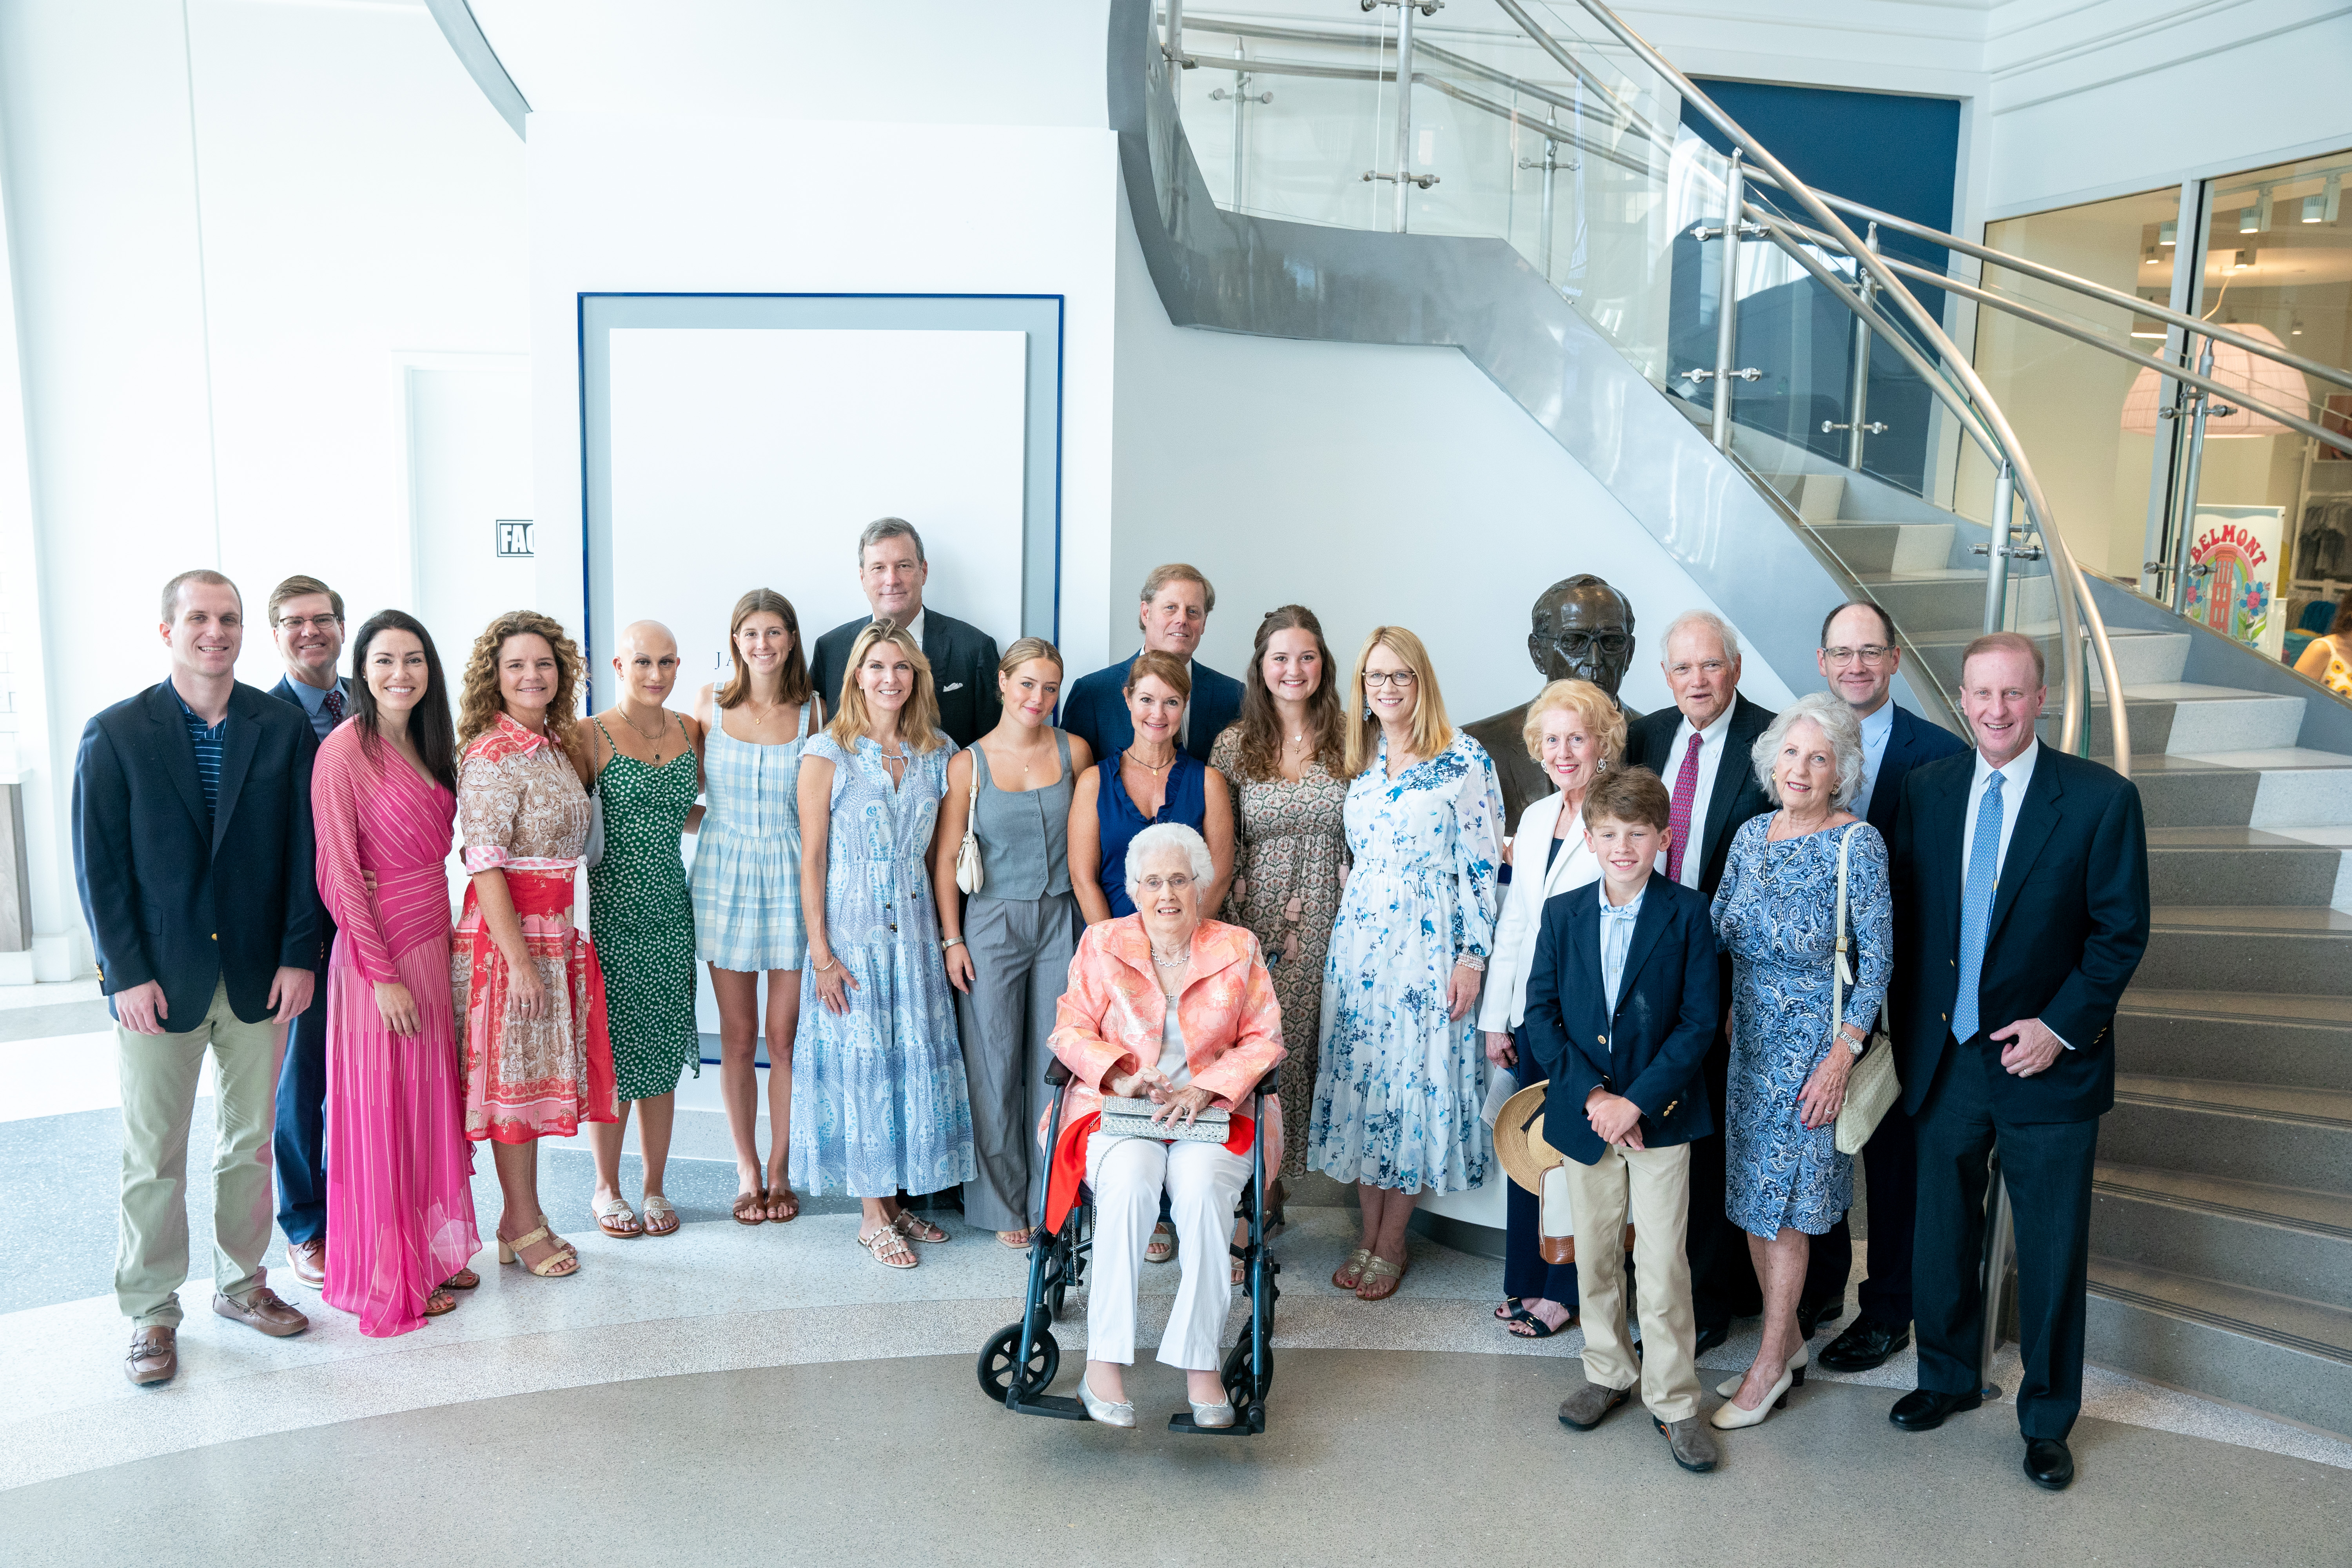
1621	1007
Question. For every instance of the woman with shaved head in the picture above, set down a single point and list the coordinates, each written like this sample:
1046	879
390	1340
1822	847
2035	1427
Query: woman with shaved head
645	769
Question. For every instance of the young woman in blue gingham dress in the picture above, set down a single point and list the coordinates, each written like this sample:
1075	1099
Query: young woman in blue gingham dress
746	883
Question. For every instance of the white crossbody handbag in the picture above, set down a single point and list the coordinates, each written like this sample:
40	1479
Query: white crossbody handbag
1871	1086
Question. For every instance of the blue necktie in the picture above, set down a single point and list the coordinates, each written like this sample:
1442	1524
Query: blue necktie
1976	908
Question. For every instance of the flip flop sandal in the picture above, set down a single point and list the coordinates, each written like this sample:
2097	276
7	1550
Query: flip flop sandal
615	1217
1380	1279
1350	1272
658	1207
784	1198
438	1302
915	1227
1161	1247
752	1209
1018	1240
464	1279
889	1248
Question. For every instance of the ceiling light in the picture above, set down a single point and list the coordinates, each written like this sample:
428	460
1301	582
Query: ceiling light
2315	208
2245	259
2295	328
2155	256
2250	220
2165	232
2157	336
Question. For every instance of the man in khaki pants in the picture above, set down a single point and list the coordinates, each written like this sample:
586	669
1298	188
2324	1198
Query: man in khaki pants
193	848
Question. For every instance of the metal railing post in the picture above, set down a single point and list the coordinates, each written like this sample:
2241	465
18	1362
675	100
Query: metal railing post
1727	305
1857	407
2185	536
2004	499
1551	167
1999	1253
1405	111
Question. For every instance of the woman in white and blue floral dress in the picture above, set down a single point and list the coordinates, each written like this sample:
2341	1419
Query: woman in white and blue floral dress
1401	1081
879	1102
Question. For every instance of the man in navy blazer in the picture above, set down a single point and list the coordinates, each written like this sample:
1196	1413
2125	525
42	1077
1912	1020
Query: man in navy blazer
1174	614
193	848
1621	1008
1859	658
2022	910
892	570
306	621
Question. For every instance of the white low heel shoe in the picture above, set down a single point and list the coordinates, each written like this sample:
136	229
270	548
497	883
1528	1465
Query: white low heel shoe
1797	1364
1212	1414
1120	1413
1729	1418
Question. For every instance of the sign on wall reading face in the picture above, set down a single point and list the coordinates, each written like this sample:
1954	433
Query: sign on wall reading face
514	538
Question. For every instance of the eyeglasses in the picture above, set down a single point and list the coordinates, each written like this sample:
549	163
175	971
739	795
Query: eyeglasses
1376	678
1577	645
1869	653
304	623
1175	884
1708	666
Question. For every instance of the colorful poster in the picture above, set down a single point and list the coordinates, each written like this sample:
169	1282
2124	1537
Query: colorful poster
2234	565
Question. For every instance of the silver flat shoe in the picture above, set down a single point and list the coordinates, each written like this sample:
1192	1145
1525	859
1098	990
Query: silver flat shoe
1120	1415
1212	1414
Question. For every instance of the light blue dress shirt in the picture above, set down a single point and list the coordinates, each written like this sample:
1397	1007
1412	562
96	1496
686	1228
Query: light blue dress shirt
1876	731
1617	939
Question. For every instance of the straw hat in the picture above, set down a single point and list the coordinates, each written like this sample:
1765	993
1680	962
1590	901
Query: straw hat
1519	1139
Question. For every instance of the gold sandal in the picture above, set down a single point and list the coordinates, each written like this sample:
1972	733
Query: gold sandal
658	1207
1380	1279
1350	1272
548	1268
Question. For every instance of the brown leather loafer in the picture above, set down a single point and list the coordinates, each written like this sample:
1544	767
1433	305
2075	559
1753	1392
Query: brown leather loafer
262	1309
154	1356
309	1261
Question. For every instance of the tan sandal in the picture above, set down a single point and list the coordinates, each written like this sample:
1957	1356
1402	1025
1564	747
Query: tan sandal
889	1248
1350	1272
782	1198
438	1302
915	1227
659	1208
615	1217
751	1207
1380	1279
1018	1240
1162	1244
551	1266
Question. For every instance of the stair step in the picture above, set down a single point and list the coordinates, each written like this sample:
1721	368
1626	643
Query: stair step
2240	866
2304	952
2257	1348
2255	1036
2142	658
2279	1134
2184	719
1952	596
1888	547
2274	1238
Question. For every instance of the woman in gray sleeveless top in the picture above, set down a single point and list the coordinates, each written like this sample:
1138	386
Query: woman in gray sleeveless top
1009	945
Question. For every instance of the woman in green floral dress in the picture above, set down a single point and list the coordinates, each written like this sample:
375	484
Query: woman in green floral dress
643	763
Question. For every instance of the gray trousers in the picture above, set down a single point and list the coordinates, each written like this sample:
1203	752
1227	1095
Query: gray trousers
1021	951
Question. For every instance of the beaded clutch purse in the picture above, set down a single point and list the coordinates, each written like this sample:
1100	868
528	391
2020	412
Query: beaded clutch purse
1133	1118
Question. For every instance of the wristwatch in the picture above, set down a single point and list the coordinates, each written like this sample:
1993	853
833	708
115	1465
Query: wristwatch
1857	1045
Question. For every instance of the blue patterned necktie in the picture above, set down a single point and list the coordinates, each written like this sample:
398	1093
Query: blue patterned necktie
1976	908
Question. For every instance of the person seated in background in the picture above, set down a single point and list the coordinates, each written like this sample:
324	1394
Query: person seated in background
1165	1005
1621	1007
2327	658
1173	615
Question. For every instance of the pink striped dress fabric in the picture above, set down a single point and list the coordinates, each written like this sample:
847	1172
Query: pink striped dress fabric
400	1202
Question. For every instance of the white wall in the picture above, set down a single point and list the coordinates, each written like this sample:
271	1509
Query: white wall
670	203
225	222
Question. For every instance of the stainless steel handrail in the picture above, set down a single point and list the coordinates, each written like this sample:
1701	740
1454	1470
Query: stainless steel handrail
2076	610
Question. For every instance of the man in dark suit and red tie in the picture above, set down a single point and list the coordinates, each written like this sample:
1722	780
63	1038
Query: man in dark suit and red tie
2020	897
1703	748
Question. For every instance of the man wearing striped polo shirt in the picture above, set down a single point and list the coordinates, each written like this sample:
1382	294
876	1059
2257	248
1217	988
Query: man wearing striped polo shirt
193	848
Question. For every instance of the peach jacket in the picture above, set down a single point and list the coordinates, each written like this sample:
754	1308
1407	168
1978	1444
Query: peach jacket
1110	1018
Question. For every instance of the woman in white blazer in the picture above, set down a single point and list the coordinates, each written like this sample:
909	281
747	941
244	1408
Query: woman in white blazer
1575	731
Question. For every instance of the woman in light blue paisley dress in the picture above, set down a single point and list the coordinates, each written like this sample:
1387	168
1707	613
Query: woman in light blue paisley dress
879	1104
1400	1080
1776	915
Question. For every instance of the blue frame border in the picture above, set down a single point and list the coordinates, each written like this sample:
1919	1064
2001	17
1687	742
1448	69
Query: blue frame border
1040	316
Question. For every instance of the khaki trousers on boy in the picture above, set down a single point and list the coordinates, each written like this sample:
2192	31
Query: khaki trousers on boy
159	1102
1652	1186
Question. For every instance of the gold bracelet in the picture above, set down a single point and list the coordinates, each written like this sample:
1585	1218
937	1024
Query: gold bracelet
828	966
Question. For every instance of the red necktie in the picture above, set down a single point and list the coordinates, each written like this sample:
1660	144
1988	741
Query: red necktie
334	703
1678	817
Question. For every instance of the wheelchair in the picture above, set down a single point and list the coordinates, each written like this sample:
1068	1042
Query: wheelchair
1020	1361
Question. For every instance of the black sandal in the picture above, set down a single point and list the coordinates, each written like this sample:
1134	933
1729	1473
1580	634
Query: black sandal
1537	1328
1509	1309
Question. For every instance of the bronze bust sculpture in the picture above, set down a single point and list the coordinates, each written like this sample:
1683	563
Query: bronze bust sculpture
1581	629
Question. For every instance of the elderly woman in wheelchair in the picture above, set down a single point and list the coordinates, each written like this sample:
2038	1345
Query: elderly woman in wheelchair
1176	1012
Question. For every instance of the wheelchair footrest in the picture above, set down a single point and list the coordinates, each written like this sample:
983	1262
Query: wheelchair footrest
1051	1405
1248	1423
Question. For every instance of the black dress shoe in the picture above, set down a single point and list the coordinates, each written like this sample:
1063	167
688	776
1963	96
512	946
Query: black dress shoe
2049	1464
1867	1343
1923	1409
1811	1315
1710	1336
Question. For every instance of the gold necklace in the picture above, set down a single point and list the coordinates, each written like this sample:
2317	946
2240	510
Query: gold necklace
1147	767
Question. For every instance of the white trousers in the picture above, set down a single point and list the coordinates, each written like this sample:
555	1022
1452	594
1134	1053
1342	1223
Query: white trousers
1203	1183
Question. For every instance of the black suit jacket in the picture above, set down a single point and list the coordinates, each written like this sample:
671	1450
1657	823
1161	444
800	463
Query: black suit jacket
169	902
1913	741
2069	924
963	671
1650	1048
1096	709
1736	797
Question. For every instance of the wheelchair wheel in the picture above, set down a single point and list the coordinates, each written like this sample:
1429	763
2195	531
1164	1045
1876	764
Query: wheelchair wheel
999	1362
1240	1387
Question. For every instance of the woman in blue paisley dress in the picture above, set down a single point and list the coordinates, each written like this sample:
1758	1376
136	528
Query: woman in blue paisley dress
1776	915
879	1104
1401	1081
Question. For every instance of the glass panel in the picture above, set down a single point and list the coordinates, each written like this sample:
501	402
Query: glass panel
2273	517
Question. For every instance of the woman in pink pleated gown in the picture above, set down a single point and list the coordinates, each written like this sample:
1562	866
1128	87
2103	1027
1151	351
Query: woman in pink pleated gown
400	1201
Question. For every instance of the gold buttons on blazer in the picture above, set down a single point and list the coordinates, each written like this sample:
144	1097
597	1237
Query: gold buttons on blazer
1602	1038
1669	1110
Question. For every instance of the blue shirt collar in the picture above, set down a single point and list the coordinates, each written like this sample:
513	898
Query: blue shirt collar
1878	726
196	720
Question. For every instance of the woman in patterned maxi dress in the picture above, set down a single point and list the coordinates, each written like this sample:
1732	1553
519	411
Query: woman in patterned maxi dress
399	1193
643	761
529	991
1402	1080
879	1101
